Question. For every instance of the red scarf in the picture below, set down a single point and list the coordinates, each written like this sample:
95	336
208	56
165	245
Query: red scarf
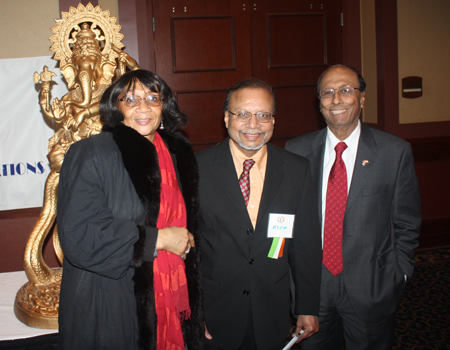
171	293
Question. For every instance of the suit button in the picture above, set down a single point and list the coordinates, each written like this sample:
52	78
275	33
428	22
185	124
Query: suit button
251	261
246	292
249	231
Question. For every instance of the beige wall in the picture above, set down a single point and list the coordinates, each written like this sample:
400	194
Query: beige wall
369	59
25	26
424	51
112	6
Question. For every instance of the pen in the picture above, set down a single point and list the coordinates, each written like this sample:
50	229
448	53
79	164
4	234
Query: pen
294	340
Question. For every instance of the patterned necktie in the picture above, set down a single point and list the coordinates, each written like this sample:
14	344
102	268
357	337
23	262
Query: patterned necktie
244	179
334	213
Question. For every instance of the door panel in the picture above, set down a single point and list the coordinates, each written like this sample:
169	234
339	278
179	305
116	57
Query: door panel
295	40
206	47
190	37
281	42
206	124
292	117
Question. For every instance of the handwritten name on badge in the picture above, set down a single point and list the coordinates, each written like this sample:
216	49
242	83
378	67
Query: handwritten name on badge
280	225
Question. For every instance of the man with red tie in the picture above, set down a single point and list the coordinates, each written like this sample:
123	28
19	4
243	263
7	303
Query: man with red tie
258	222
370	211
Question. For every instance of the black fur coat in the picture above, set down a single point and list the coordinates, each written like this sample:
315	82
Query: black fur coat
141	162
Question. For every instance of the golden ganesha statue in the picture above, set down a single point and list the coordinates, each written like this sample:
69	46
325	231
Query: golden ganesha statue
87	43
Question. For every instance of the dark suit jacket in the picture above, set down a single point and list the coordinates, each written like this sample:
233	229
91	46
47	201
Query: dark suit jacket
237	274
382	218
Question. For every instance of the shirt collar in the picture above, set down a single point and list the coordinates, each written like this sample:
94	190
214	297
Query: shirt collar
259	157
351	141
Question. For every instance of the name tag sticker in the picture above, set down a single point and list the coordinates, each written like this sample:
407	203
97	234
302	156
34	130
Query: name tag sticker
280	225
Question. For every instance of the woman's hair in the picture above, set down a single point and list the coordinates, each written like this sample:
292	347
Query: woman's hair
110	114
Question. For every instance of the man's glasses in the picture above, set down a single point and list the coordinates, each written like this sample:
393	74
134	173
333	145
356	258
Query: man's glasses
133	100
345	91
262	117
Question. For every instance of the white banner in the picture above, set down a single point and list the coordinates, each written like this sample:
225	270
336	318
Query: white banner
24	132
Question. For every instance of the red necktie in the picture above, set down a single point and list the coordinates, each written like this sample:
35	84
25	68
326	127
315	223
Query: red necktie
334	213
244	179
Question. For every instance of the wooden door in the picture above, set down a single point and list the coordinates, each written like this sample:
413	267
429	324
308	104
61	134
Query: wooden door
202	47
292	44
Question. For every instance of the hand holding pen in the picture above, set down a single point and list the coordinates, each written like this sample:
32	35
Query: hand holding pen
294	340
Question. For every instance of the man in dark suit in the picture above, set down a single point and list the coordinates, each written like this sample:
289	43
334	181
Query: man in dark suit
370	227
248	244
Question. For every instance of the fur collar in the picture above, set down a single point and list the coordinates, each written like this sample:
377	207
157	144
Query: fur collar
141	162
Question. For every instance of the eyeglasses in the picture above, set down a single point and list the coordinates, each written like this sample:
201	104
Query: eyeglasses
262	117
133	100
344	91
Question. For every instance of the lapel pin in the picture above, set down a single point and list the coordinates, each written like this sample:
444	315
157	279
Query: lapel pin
364	162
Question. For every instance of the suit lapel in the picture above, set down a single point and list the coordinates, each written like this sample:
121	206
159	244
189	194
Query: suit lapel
272	180
316	161
367	155
225	173
366	152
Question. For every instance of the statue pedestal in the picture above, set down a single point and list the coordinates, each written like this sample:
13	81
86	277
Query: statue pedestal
37	305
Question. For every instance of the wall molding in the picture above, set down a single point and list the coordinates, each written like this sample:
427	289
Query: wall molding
431	149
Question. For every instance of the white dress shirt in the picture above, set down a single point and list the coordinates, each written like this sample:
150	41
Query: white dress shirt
348	156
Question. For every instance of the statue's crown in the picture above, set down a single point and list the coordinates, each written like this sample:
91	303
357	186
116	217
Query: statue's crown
85	33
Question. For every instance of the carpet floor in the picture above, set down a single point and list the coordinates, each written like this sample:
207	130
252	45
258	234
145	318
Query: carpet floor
423	316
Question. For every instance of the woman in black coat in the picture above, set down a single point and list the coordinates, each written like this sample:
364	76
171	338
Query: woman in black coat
128	225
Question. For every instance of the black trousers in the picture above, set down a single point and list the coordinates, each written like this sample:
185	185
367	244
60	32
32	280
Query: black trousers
338	321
